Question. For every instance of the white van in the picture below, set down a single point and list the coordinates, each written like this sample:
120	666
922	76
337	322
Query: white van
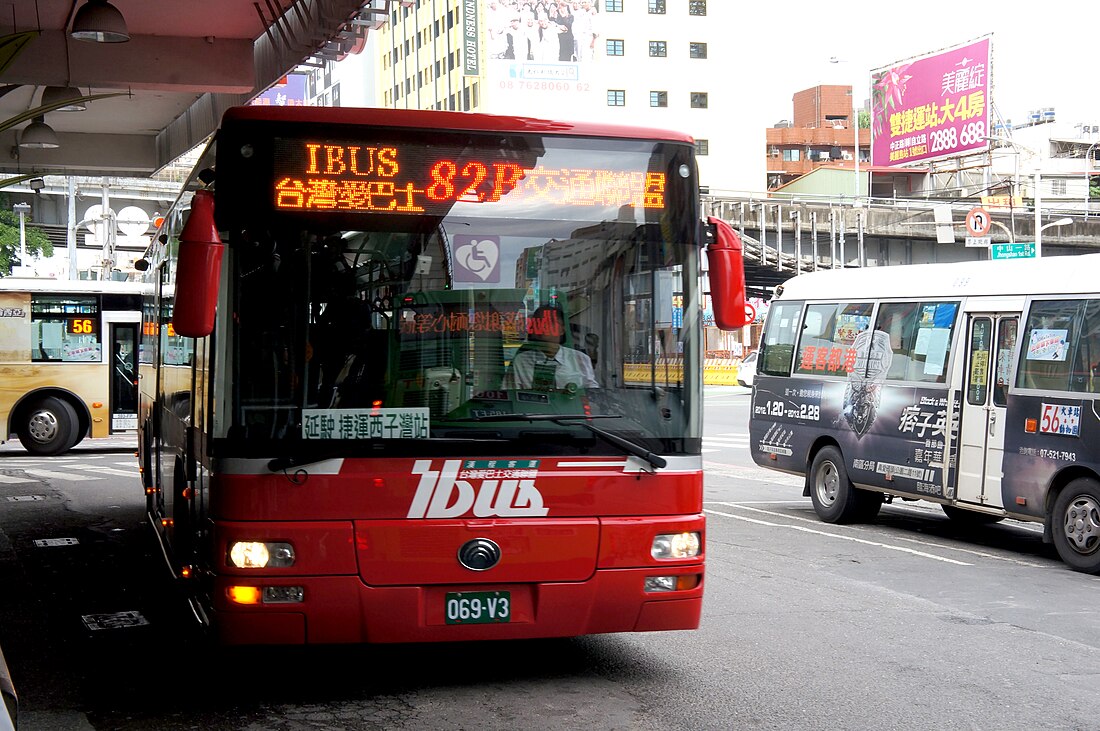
746	372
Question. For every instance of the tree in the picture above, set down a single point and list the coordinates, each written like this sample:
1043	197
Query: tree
1094	187
37	241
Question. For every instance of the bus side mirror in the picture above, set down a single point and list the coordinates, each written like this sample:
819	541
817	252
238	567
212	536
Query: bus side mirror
727	276
198	270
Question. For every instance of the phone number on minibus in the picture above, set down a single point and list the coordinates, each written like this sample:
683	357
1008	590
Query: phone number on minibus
1059	454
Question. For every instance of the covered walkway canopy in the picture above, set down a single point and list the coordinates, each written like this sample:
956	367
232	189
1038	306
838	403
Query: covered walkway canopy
183	64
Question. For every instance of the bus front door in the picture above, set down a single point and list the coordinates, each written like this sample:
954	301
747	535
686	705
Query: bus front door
123	378
991	339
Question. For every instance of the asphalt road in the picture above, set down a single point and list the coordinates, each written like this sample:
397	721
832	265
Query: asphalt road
906	623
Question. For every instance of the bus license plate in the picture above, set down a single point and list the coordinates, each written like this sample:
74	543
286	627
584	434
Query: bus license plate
478	607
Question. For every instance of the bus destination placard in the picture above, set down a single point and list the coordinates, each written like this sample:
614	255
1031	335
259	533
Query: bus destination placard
416	179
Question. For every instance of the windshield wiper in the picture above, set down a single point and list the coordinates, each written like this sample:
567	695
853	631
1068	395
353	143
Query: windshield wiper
626	445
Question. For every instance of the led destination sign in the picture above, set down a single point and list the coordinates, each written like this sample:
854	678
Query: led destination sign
416	179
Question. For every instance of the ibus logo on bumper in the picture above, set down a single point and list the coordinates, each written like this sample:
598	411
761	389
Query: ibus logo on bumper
496	487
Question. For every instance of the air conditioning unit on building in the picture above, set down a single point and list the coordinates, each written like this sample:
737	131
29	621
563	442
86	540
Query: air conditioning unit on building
773	151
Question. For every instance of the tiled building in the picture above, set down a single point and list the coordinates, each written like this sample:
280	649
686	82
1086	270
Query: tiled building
649	63
821	133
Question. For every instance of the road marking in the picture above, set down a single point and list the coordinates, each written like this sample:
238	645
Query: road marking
903	508
981	554
827	534
109	470
62	476
746	503
725	443
9	480
752	474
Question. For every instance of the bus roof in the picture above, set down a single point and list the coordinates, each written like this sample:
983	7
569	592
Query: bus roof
1077	274
75	286
439	120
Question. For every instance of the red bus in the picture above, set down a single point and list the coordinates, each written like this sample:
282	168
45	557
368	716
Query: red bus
430	377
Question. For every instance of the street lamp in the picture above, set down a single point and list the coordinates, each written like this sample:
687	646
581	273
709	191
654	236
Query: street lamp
1088	177
855	127
1060	222
22	209
1037	194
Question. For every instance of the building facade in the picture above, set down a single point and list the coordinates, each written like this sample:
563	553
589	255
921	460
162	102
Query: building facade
649	63
821	133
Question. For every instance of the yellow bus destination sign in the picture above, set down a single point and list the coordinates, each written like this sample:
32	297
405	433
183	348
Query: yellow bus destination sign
415	179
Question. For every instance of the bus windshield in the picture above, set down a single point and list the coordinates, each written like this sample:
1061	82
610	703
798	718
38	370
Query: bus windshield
540	277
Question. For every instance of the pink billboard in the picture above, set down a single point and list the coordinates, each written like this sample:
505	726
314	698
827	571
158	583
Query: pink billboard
930	107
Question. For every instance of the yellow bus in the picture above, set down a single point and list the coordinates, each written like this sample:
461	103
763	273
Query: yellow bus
68	360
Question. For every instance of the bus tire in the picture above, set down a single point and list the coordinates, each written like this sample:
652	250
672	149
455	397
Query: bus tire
48	426
835	498
1075	525
969	517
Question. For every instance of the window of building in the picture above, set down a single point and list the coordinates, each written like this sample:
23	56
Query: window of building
656	7
1058	186
697	7
614	46
658	98
613	6
702	147
616	97
792	155
658	49
697	50
698	100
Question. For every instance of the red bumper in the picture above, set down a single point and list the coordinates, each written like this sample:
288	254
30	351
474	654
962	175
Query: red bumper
342	609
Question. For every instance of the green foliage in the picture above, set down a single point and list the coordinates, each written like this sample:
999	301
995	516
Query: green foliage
36	240
863	119
1094	187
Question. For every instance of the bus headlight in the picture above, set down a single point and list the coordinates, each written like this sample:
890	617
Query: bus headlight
676	545
257	555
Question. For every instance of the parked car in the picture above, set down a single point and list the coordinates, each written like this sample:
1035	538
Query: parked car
746	372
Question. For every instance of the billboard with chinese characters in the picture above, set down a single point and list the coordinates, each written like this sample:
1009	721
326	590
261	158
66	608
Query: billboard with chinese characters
289	91
543	57
932	106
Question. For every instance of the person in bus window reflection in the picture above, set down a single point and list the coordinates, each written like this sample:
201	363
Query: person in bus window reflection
544	363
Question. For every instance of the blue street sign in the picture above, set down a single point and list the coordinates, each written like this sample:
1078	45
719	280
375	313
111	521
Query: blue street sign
1025	250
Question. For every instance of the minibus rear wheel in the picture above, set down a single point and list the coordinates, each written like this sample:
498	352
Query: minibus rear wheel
1075	525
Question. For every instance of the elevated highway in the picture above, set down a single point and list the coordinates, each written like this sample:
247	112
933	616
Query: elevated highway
784	237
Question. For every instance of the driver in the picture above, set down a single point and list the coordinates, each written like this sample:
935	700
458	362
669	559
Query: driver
544	363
